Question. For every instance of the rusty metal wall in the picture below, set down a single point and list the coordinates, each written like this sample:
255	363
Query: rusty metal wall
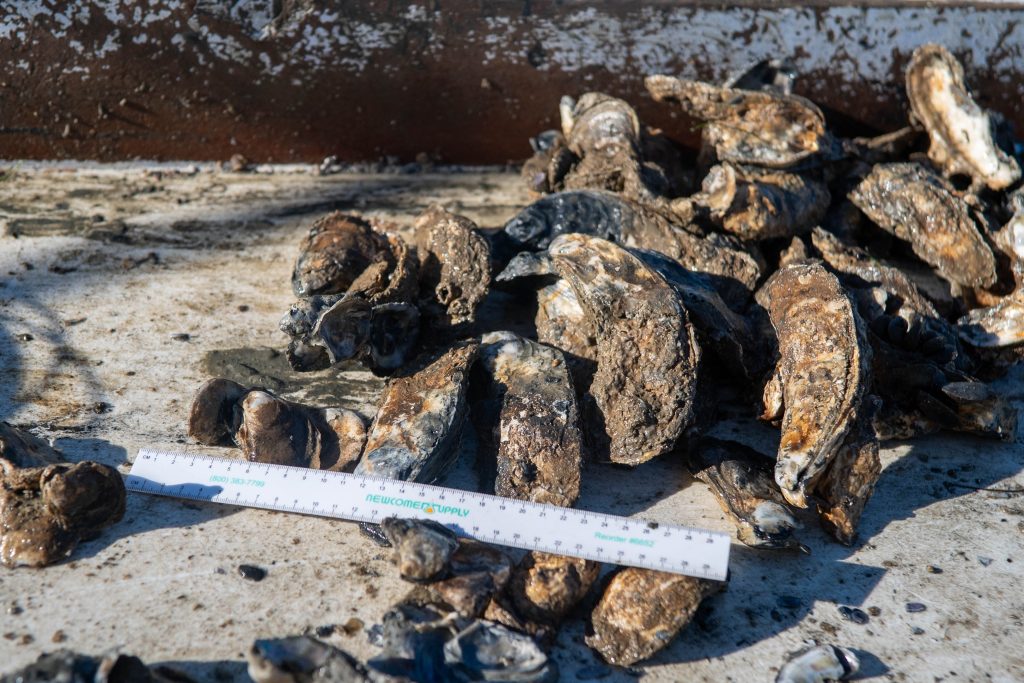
459	80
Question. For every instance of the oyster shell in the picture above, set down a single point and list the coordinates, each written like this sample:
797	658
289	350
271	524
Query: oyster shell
415	435
995	326
822	373
618	219
46	510
642	610
919	207
820	664
961	132
545	170
269	429
760	204
454	267
741	480
19	449
747	126
302	659
769	75
725	333
337	249
527	418
65	666
848	481
544	588
603	132
478	572
485	651
423	548
641	399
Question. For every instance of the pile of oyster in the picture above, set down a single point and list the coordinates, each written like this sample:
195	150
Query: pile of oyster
845	290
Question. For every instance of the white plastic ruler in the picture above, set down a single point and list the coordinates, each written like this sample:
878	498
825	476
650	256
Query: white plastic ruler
493	519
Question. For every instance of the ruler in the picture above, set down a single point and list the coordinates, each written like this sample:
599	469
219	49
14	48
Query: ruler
492	519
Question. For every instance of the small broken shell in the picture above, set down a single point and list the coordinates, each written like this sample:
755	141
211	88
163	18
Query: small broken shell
996	326
822	664
642	610
747	126
485	651
844	488
423	548
455	265
338	248
917	206
544	588
415	435
760	204
821	375
46	511
642	396
741	480
527	417
302	659
478	572
20	449
961	132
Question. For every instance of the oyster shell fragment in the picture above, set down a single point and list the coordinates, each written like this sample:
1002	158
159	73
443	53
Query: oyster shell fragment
995	326
46	509
641	399
821	664
66	666
642	611
423	548
302	659
822	373
485	651
962	133
917	206
741	480
416	433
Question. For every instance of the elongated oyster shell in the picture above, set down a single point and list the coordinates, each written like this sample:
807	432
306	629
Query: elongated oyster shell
741	480
961	132
918	206
995	326
455	265
822	373
642	610
760	204
604	134
415	435
844	488
644	388
527	418
746	126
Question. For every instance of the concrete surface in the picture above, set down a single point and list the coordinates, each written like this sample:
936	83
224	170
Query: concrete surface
101	266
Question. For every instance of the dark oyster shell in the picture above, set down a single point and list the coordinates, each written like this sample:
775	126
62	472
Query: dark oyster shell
918	206
45	511
485	651
741	480
641	399
212	418
64	666
819	664
642	610
415	435
527	420
746	126
603	132
962	133
19	449
544	588
822	373
478	572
